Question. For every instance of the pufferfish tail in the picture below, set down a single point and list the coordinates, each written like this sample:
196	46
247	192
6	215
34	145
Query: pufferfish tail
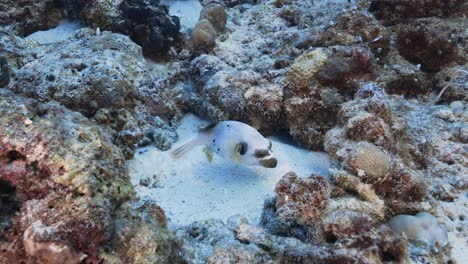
186	147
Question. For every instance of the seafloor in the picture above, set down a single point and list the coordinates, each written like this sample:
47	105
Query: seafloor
365	103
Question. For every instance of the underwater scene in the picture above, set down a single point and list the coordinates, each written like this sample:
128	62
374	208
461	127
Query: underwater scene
233	131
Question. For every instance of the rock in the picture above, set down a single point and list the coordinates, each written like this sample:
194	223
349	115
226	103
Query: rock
455	81
356	26
149	25
369	159
317	83
204	35
402	77
67	174
211	241
216	14
349	237
238	254
457	107
50	252
368	127
302	200
28	16
146	22
246	233
71	74
118	90
4	72
141	237
445	114
402	190
428	44
397	11
89	156
363	233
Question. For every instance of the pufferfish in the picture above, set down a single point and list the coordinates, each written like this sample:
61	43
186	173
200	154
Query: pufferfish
232	140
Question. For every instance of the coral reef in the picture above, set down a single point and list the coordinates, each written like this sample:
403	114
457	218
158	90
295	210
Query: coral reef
380	85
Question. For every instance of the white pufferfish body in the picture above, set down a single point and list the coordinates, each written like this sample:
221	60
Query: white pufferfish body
232	140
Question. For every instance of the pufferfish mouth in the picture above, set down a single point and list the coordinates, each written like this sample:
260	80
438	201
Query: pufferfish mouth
269	162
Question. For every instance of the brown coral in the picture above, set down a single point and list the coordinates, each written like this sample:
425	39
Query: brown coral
216	14
203	36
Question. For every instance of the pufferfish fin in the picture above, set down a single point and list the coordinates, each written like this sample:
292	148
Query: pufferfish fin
208	154
186	147
206	127
237	151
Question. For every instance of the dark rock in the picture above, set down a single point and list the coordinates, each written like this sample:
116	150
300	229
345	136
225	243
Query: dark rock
24	17
427	44
4	72
394	11
149	25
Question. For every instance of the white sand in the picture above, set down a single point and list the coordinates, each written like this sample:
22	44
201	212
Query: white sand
191	188
188	12
57	34
452	215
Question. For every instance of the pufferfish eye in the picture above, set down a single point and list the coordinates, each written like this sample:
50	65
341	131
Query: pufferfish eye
242	148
